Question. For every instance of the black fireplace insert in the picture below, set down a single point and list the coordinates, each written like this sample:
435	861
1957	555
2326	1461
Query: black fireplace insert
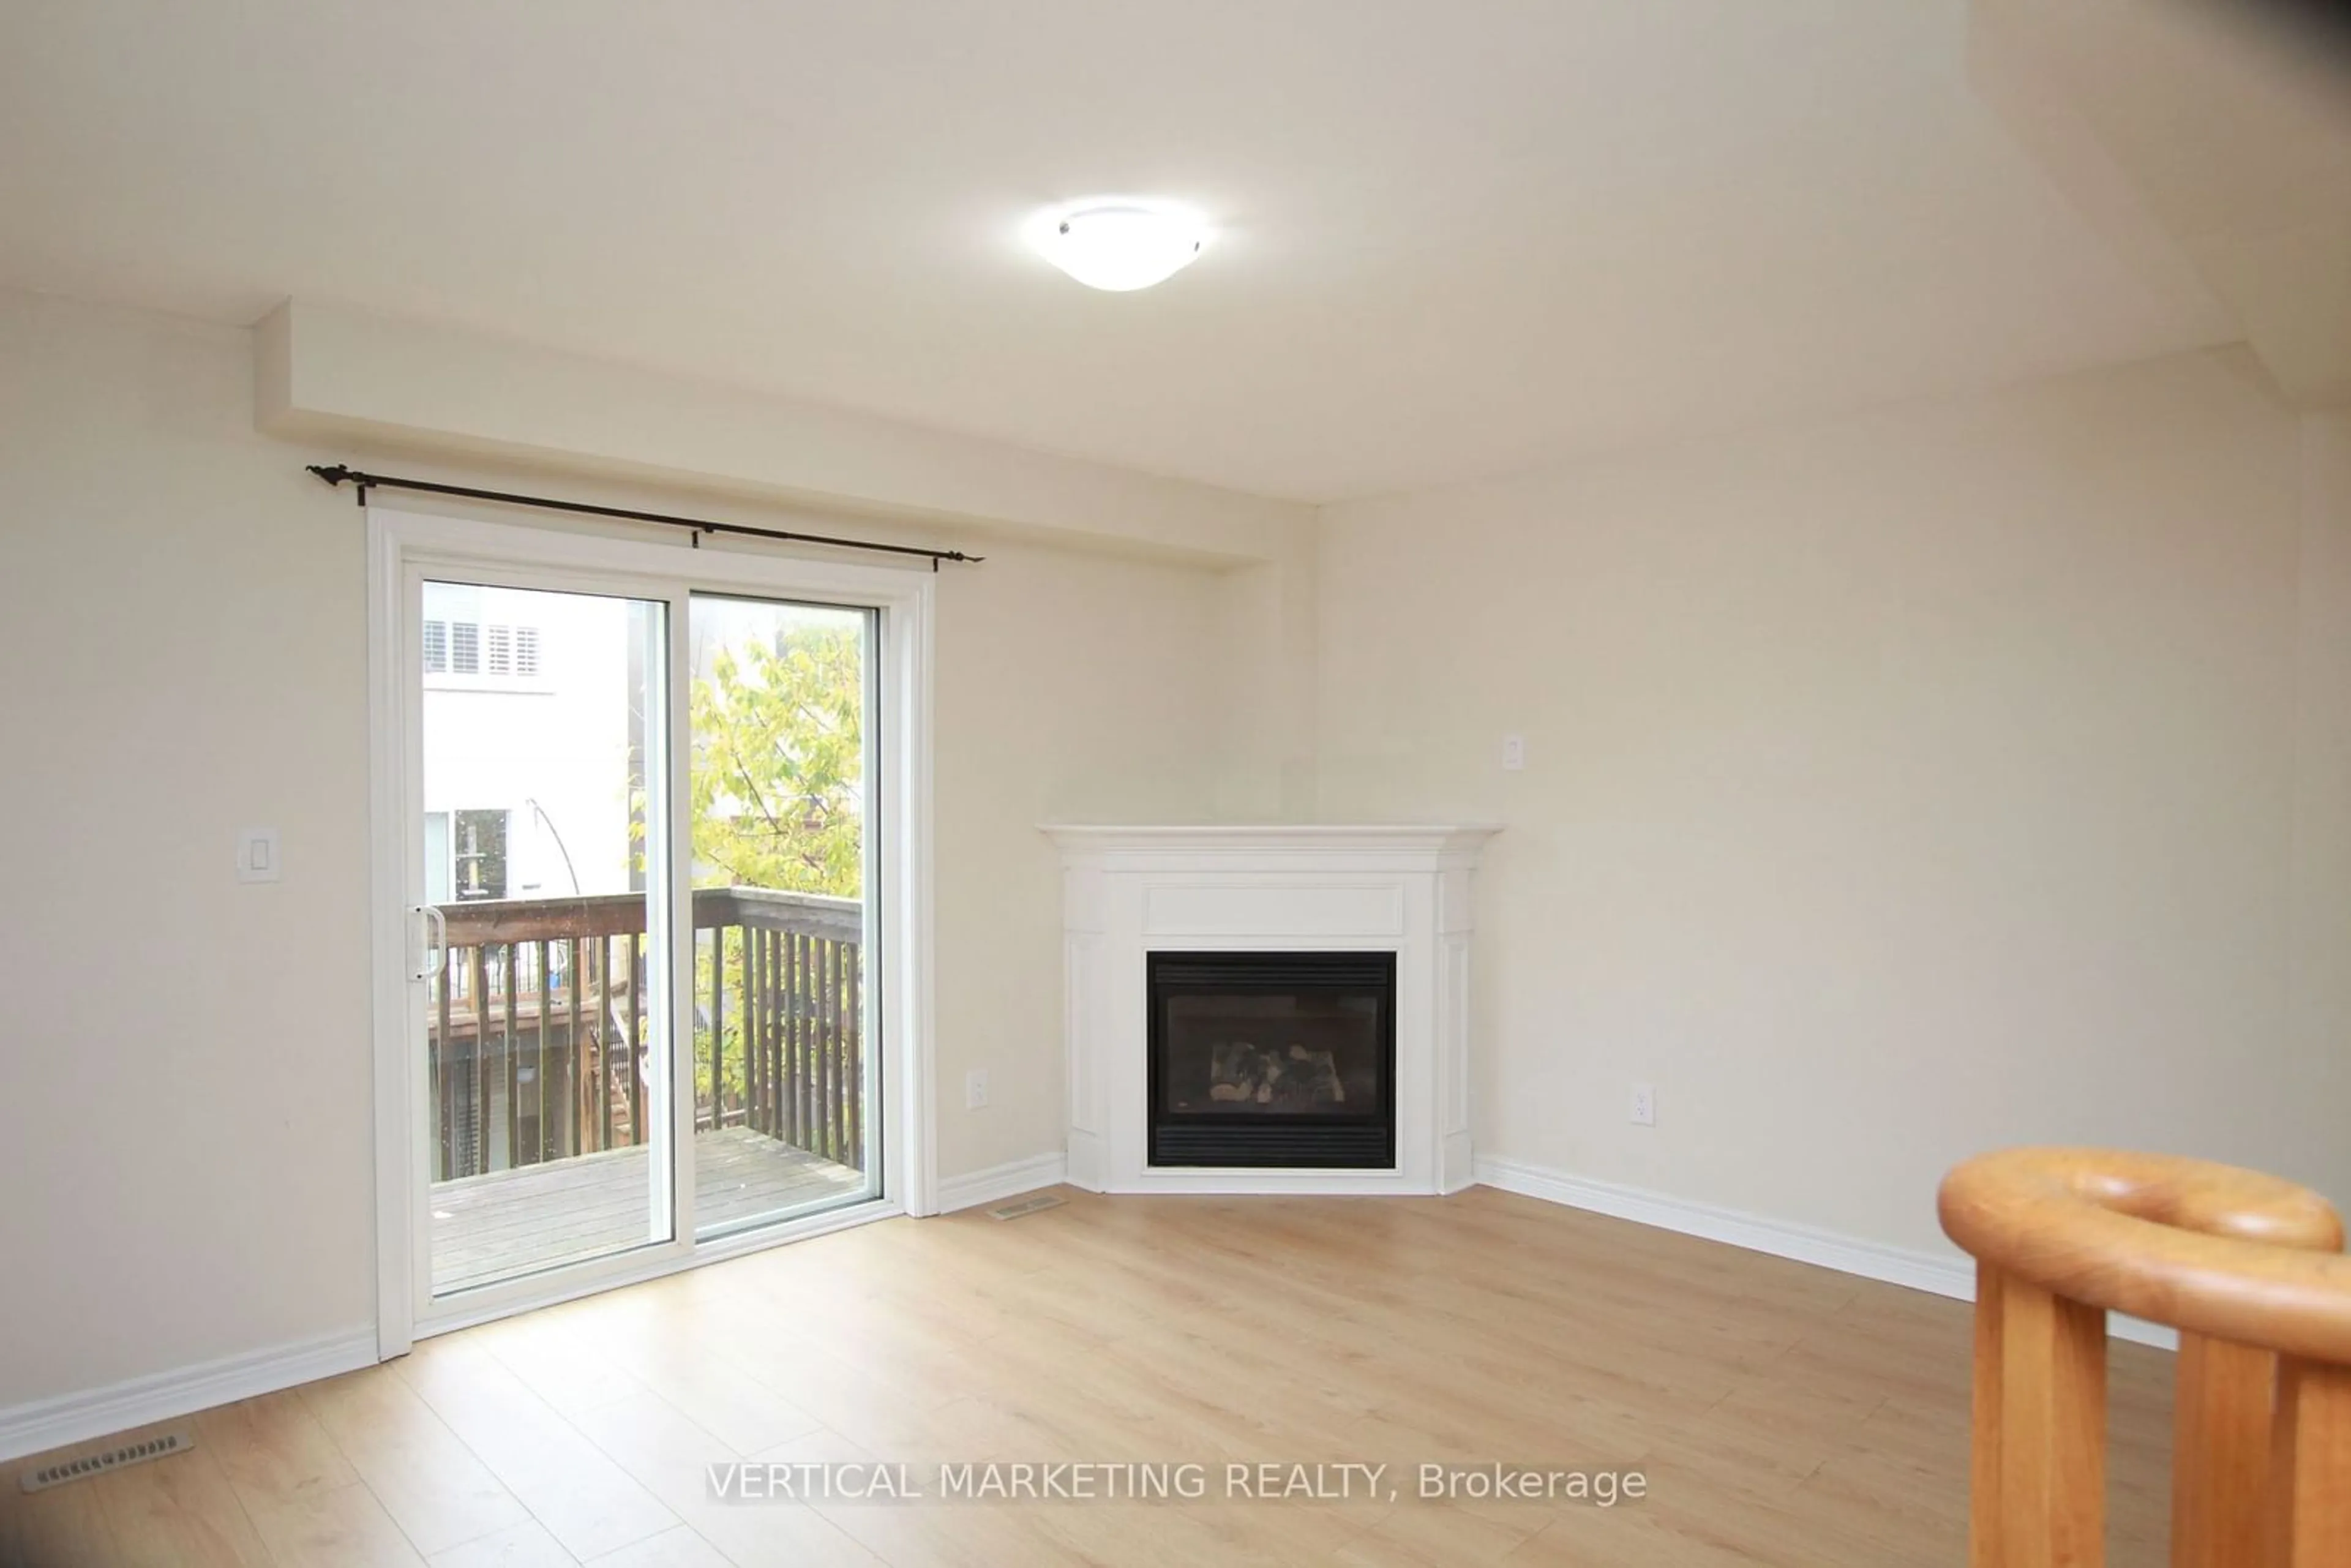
1273	1060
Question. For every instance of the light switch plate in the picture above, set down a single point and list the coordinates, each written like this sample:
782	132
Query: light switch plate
1514	752
257	857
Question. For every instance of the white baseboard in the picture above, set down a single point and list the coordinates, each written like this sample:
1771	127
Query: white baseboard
55	1423
1951	1275
1000	1182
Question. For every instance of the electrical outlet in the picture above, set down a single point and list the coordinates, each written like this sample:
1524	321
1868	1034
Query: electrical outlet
975	1089
1644	1105
1514	752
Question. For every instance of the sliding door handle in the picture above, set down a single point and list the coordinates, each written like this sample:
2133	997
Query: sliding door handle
436	952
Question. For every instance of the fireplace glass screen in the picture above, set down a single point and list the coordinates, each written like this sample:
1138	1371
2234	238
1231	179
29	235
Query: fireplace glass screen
1273	1060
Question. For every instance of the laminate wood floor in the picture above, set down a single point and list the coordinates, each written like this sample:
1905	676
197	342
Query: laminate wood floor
1779	1413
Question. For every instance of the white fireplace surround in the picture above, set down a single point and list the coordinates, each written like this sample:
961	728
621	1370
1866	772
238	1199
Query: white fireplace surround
1133	891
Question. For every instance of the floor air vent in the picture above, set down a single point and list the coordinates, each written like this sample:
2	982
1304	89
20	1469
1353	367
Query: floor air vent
56	1474
1019	1207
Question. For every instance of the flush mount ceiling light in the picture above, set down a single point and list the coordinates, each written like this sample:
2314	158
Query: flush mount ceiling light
1119	244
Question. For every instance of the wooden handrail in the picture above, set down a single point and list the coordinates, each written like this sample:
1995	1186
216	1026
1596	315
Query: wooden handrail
2246	1265
473	922
2207	1248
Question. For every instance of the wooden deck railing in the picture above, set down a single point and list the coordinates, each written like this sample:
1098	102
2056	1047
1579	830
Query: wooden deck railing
2246	1267
536	1023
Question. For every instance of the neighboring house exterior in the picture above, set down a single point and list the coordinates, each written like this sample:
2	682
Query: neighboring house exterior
530	743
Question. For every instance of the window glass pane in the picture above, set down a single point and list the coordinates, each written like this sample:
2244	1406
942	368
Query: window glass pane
436	858
545	1039
465	648
785	1081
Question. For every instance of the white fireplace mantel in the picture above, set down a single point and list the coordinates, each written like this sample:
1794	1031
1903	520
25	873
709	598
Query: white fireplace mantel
1133	891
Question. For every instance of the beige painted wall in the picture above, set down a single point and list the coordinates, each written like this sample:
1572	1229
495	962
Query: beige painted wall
186	1108
1896	787
1070	688
338	375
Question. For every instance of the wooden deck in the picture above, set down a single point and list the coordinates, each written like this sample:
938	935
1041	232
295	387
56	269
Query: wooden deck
488	1226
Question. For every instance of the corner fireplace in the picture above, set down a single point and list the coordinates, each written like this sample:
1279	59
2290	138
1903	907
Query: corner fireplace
1272	1059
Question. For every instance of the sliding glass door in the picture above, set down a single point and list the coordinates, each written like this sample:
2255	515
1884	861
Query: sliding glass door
545	868
779	718
639	900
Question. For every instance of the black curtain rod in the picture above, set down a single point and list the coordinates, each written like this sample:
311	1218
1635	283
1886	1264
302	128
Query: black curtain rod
338	475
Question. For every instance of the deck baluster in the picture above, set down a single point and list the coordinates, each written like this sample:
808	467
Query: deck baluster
779	1054
510	979
543	1136
786	1068
444	1078
829	1069
755	1001
853	1061
756	1042
478	1080
779	1062
604	1040
820	1046
754	1019
845	1080
821	1008
636	1039
832	1072
795	1040
574	1082
717	1026
807	1001
844	1085
748	1027
748	1030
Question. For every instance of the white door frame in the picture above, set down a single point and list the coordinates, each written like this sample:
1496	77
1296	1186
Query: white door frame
899	972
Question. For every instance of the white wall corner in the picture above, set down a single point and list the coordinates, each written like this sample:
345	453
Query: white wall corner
1947	1274
1267	666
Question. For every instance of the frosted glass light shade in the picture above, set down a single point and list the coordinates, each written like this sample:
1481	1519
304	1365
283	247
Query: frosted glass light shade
1119	246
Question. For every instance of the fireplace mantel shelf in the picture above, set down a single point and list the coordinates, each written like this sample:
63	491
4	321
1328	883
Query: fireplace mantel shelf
1135	890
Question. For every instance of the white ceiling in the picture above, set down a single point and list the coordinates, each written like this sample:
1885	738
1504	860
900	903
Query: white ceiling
1459	237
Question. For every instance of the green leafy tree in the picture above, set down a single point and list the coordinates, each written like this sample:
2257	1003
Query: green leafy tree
777	783
778	764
